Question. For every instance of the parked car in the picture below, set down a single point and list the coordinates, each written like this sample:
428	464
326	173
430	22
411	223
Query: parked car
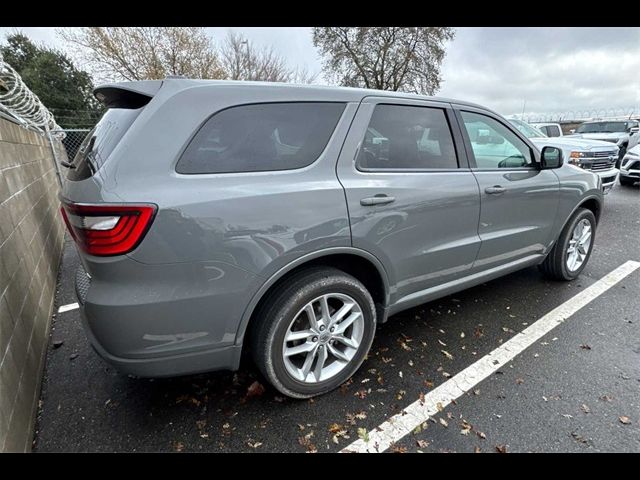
630	168
549	129
211	219
624	133
594	155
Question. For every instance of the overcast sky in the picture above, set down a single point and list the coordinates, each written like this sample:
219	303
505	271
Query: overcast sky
551	69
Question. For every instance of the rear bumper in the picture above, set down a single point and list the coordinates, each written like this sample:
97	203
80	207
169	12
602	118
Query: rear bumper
166	320
226	358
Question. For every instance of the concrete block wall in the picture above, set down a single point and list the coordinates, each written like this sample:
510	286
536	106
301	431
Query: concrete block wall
31	240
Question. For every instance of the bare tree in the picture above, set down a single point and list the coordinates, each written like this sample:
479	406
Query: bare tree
242	60
143	53
384	58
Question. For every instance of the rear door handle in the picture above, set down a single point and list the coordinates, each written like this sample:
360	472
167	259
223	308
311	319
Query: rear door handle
380	199
495	190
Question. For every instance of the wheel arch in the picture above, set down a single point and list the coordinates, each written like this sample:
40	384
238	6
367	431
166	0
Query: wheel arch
359	263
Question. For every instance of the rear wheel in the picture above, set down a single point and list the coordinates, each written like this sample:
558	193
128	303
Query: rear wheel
572	251
314	332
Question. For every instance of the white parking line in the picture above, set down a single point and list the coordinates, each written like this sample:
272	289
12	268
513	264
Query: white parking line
382	437
66	308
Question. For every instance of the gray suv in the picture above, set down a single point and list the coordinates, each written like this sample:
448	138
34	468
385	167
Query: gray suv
215	218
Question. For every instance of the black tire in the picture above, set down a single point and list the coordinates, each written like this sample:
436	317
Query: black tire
627	181
555	265
278	311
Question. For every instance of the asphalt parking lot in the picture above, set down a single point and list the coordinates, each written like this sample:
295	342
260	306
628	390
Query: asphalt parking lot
576	389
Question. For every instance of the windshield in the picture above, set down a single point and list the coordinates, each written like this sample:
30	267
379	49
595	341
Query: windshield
526	129
602	127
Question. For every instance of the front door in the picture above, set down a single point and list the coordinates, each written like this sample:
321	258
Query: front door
413	201
518	201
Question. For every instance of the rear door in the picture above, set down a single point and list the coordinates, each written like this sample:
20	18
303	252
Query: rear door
518	200
413	201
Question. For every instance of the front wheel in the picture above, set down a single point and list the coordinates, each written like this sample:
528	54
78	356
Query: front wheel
314	332
570	254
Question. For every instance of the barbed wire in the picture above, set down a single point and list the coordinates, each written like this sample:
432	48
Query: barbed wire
626	113
19	102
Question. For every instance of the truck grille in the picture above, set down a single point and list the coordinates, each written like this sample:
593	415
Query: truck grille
603	154
602	165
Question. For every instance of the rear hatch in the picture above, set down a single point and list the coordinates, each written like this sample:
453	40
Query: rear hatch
99	226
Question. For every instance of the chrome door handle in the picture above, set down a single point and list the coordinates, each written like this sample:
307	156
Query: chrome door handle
495	190
379	199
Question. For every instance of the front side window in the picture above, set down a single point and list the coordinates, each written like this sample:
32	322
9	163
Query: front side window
494	145
407	137
261	137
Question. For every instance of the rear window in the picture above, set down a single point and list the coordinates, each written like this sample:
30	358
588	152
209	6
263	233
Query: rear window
261	137
100	142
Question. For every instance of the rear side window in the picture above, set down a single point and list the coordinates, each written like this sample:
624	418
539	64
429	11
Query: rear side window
407	137
261	137
553	131
100	142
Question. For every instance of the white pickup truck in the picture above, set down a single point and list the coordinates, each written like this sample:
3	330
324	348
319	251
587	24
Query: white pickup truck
593	155
625	134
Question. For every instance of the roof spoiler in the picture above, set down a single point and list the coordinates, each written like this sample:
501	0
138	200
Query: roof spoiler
127	94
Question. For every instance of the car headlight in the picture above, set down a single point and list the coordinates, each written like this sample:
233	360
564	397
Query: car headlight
575	157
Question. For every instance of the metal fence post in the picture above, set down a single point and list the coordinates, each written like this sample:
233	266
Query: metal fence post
56	162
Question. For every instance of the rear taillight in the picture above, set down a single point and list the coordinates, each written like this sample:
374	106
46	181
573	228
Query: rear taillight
105	230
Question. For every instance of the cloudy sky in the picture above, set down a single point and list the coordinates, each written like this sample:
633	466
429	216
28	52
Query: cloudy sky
544	70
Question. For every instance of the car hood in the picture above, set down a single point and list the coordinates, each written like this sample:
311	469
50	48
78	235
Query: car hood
599	136
573	142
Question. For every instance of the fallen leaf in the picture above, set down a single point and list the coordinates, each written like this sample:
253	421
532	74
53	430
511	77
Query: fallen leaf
405	346
606	398
439	406
446	375
624	420
178	446
447	354
579	438
442	343
444	423
363	435
397	449
519	381
477	450
481	435
428	383
254	444
584	346
421	398
501	448
422	443
400	374
585	408
255	390
386	359
461	334
335	428
362	394
476	391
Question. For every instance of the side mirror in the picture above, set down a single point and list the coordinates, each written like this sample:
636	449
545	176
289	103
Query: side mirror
551	157
573	130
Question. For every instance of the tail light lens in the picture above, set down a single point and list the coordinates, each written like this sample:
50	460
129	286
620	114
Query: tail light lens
106	230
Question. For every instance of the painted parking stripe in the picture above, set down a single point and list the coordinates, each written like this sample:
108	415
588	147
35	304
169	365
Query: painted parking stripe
395	428
66	308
